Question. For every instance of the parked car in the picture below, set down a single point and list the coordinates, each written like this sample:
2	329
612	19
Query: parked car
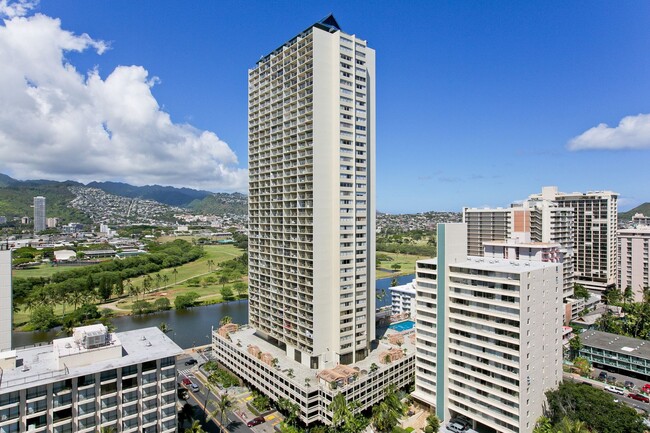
615	390
256	421
194	387
646	388
191	361
455	427
186	381
602	375
629	384
639	397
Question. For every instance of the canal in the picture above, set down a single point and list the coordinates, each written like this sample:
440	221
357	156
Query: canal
191	327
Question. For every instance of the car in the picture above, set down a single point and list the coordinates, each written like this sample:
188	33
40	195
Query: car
191	361
256	421
639	397
455	427
602	375
186	381
615	390
646	388
611	379
629	384
182	394
194	387
465	423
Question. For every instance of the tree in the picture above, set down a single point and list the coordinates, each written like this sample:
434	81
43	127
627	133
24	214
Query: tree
223	279
290	410
373	367
42	318
224	404
577	402
575	345
174	273
396	267
434	423
195	428
210	263
240	287
307	382
543	425
579	291
162	304
339	409
227	294
628	295
225	320
572	426
582	364
612	296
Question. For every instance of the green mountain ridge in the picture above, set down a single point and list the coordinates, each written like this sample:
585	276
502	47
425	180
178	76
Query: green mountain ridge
627	216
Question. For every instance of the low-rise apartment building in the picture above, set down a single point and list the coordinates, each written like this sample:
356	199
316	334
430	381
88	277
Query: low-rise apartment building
617	353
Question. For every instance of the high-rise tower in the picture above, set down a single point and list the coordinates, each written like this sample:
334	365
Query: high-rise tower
311	139
39	214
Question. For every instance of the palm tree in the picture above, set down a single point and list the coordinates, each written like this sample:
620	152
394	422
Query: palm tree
340	410
384	418
165	279
572	426
307	382
210	264
224	404
225	320
158	280
109	429
174	273
195	428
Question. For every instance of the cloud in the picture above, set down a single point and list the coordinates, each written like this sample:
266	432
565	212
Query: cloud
16	9
632	132
58	123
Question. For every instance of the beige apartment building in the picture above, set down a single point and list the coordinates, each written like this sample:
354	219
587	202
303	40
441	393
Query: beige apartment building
633	260
311	196
488	335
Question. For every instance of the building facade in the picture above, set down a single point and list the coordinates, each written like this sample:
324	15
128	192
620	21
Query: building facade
403	299
477	319
617	353
311	196
633	260
39	214
6	302
595	240
486	225
92	380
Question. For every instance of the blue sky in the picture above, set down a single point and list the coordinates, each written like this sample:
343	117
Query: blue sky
476	101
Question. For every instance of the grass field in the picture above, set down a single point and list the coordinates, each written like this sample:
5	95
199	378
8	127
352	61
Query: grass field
406	261
44	270
211	293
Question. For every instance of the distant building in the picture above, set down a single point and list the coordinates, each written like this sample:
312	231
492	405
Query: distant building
595	221
403	299
617	353
24	220
640	219
52	222
633	260
65	256
3	219
6	310
486	225
488	335
39	214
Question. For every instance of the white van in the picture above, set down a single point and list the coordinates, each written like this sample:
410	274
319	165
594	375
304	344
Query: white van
455	427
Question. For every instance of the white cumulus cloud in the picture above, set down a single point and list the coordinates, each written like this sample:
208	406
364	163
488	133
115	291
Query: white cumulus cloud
58	123
632	132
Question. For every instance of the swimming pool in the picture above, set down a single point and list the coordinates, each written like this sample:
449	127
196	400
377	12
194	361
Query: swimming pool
402	326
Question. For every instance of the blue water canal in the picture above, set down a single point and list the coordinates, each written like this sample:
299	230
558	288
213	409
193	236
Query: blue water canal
188	327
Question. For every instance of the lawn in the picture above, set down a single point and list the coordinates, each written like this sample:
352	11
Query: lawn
406	261
216	253
44	270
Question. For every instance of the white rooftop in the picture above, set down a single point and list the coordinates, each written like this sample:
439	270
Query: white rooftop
40	364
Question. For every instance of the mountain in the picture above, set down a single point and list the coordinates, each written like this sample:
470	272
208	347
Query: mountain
627	216
181	197
6	180
221	203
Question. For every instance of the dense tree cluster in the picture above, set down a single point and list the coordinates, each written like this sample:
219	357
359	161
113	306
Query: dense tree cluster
635	320
579	404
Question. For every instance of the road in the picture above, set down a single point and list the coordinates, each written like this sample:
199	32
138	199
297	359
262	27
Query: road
204	396
622	398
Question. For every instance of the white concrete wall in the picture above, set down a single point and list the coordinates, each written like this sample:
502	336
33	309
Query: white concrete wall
6	311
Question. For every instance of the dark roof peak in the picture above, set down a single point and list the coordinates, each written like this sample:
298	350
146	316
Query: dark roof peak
330	21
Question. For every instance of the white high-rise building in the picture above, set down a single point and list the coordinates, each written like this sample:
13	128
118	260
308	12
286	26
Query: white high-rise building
311	196
486	225
39	214
488	340
595	216
634	261
6	310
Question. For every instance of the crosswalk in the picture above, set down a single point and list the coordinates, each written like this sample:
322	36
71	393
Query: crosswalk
187	372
